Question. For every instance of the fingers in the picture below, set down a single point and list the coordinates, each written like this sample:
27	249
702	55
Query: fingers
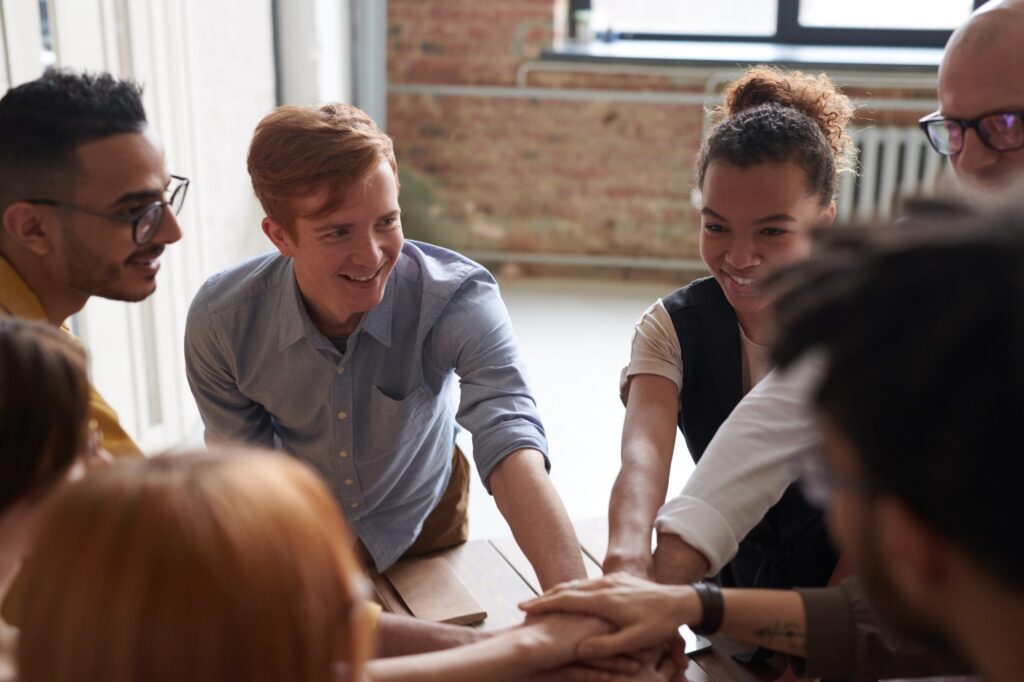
677	652
573	673
581	585
571	601
625	640
626	665
668	671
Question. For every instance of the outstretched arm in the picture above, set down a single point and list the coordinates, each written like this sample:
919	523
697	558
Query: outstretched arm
649	614
508	655
648	439
475	337
755	455
539	522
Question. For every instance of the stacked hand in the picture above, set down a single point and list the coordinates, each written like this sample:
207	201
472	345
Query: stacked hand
647	614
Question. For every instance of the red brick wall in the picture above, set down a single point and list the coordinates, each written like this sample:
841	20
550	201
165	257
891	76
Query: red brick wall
609	177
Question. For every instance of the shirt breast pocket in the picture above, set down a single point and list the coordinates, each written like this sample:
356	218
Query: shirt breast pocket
398	424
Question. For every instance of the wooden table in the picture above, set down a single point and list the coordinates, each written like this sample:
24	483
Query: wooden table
499	577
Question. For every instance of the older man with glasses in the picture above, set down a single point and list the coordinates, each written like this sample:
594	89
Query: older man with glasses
980	121
84	195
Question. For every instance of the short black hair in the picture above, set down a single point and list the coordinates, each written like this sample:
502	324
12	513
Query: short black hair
44	407
922	325
43	122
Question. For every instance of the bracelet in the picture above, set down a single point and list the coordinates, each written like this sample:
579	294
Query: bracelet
712	606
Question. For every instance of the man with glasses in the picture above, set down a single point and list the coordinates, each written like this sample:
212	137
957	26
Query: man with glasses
980	121
87	203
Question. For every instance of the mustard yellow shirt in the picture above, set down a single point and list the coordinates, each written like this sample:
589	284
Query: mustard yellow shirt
18	300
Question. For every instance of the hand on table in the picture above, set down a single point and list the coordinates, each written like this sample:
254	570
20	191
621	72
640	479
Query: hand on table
647	614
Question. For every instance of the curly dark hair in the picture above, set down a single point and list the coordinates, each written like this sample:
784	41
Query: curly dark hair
771	115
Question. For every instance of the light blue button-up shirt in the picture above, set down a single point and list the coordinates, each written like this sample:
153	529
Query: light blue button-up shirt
378	423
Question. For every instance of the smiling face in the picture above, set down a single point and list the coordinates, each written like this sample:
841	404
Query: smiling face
343	259
119	175
753	221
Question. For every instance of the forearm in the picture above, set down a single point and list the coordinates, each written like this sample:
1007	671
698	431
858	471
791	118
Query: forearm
648	439
638	492
491	660
773	619
676	562
508	655
404	636
534	512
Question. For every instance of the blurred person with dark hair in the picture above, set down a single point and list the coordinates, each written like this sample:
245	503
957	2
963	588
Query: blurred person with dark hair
85	199
917	466
44	430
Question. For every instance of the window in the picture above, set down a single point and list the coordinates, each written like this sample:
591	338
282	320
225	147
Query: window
918	23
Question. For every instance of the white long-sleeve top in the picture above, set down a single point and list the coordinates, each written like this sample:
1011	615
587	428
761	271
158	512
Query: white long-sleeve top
755	455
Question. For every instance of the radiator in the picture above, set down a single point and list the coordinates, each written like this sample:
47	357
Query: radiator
894	162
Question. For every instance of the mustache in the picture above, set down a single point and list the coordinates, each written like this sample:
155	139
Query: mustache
148	253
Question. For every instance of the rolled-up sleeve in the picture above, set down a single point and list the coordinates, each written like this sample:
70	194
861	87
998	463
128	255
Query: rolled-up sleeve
847	639
653	350
755	455
496	405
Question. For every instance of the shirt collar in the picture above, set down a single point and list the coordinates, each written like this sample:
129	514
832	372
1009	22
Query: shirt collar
296	323
292	315
15	296
377	321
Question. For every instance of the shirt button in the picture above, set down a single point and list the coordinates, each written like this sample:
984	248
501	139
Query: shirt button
341	369
354	505
342	416
348	481
343	453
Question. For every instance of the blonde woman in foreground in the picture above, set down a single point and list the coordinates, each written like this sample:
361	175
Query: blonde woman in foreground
185	568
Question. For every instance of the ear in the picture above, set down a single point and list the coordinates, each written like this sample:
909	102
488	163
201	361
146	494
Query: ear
828	215
24	224
915	557
281	238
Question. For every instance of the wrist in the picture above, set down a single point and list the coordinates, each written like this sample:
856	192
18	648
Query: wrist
679	561
712	608
685	605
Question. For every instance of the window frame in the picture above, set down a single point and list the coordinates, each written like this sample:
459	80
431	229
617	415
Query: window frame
788	31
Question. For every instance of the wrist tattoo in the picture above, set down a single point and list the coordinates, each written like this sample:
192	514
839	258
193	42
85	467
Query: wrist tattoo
779	632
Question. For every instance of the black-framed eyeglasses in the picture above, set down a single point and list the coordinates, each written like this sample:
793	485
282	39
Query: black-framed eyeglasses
1001	131
146	221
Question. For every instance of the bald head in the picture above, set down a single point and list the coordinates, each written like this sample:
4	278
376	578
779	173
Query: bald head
982	72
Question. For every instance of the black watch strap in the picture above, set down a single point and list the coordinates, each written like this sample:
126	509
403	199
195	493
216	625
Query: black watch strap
712	606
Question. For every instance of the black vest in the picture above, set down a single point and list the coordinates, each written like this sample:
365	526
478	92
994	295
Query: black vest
790	545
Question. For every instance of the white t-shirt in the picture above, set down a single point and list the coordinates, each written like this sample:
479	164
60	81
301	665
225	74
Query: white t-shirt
758	451
655	350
